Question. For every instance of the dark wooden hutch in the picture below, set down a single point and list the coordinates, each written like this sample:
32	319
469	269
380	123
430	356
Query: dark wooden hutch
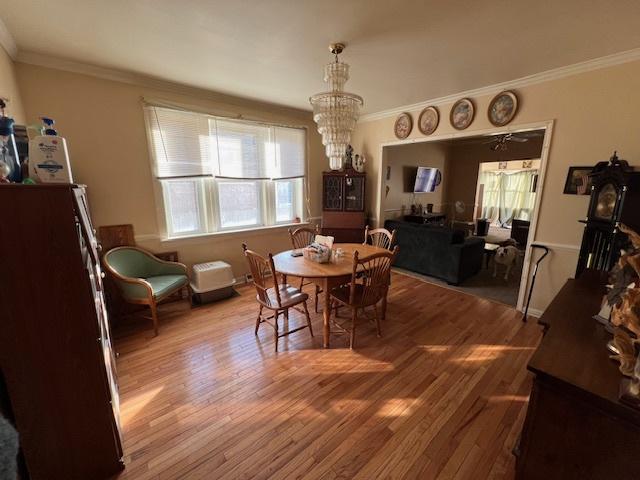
343	214
58	384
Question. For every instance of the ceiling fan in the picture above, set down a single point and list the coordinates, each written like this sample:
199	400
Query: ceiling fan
500	142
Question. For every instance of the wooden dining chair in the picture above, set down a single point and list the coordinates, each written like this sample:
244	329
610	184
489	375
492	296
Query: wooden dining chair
300	238
278	298
379	237
369	285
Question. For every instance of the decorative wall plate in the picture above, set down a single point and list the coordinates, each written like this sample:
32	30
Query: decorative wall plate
403	126
462	114
428	120
503	108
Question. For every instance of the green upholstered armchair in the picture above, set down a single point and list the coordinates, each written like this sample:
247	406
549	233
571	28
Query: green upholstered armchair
144	279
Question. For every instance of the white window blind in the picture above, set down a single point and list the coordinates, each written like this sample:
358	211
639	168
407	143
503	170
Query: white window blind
181	143
188	144
245	150
289	153
218	174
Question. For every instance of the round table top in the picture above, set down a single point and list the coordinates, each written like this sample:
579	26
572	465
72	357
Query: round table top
337	267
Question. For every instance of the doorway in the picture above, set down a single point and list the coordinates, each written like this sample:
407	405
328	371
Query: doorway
492	178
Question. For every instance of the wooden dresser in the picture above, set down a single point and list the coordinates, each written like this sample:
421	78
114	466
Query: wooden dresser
343	204
576	428
56	363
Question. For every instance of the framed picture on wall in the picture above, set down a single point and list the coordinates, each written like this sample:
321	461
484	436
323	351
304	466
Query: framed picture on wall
462	114
578	181
503	108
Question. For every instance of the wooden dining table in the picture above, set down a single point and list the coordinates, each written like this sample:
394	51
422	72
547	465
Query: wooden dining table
326	275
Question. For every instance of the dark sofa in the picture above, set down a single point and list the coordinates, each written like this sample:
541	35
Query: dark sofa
437	251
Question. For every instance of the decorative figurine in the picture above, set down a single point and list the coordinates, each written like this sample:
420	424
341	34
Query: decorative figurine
624	298
624	293
623	351
348	158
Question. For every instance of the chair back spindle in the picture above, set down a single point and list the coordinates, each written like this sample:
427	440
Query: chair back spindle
261	268
303	236
379	237
374	278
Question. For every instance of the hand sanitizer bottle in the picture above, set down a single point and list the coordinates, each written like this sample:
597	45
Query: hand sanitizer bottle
48	156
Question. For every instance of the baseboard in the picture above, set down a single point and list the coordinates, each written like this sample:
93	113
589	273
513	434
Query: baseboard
534	312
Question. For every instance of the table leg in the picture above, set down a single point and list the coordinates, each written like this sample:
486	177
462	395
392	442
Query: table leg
384	303
326	314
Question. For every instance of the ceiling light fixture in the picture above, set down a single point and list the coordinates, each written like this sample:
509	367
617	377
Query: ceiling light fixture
336	111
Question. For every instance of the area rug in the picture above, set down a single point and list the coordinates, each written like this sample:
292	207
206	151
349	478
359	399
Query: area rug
482	284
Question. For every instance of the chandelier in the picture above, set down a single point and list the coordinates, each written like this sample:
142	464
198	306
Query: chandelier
336	111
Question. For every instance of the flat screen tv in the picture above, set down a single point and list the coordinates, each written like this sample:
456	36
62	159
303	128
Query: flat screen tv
427	179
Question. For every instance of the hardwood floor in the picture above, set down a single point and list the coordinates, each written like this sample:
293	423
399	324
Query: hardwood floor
441	395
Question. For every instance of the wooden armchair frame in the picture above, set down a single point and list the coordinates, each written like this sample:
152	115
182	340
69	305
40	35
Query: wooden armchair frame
150	299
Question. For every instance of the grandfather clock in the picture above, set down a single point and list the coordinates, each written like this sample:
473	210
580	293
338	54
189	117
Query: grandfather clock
615	199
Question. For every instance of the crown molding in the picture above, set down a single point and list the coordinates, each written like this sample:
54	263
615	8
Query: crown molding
7	42
554	74
148	81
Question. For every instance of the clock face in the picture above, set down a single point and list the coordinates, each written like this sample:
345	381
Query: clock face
606	202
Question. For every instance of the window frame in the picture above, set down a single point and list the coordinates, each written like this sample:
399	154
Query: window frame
201	194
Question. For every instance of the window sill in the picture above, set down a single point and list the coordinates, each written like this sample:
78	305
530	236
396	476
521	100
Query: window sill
231	233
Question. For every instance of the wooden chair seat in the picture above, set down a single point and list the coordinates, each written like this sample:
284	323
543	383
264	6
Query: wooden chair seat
289	296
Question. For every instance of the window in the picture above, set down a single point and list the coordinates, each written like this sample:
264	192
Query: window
182	200
285	207
218	174
239	204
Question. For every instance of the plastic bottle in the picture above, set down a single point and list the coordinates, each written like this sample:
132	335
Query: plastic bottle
48	156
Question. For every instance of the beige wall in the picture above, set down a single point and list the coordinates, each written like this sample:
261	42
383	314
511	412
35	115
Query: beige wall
9	87
402	160
103	123
594	113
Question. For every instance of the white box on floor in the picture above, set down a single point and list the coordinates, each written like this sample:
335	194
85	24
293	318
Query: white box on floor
212	281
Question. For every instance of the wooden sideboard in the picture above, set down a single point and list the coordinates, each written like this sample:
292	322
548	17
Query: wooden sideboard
576	428
56	363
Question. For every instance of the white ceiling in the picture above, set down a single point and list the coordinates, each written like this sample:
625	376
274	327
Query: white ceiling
401	52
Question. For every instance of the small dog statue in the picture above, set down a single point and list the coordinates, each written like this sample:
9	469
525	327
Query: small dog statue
507	256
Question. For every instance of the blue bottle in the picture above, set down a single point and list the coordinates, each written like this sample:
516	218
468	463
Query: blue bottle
9	162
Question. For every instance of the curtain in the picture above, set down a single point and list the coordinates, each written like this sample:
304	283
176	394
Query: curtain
508	195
